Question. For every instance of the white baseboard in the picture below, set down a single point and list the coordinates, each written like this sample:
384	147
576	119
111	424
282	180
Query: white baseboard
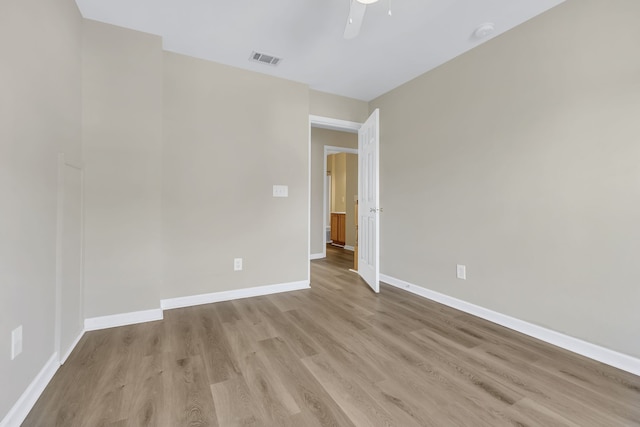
75	343
584	348
317	256
349	248
104	322
21	409
180	302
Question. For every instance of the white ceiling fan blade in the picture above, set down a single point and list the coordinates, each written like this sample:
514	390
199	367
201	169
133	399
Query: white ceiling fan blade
354	22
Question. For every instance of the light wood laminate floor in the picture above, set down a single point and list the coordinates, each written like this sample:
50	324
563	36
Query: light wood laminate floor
334	355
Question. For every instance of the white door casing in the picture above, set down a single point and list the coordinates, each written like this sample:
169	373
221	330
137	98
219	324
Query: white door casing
332	124
330	149
368	196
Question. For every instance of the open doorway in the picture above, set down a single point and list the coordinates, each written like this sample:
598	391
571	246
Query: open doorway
340	191
368	192
327	137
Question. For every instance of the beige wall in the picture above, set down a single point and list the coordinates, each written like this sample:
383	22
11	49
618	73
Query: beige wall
176	180
337	107
229	136
179	157
122	140
320	138
39	117
519	159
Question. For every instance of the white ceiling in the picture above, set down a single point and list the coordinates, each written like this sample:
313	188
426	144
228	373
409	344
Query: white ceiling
308	35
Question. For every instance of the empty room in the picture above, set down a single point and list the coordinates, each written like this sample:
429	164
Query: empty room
319	213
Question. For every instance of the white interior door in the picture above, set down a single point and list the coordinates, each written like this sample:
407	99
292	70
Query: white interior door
368	195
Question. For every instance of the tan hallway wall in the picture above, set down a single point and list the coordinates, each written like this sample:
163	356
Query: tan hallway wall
339	182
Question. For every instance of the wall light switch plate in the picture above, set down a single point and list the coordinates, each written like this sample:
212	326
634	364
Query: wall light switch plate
237	264
280	191
461	272
16	342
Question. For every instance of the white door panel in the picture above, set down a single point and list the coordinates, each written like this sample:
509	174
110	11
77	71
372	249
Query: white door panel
368	195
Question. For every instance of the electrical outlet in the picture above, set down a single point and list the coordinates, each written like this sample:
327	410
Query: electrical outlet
16	342
237	264
461	272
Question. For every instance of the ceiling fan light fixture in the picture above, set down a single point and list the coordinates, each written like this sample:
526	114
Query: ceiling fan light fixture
366	1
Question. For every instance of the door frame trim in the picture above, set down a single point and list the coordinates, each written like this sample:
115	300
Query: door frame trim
334	124
331	124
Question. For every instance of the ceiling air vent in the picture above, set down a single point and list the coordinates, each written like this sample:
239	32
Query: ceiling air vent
264	58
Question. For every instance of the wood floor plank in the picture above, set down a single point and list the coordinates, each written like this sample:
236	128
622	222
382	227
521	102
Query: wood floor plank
336	348
309	394
508	388
182	333
333	355
234	404
543	415
334	309
261	329
109	404
61	404
270	391
147	393
361	408
275	402
227	312
242	341
557	391
247	309
425	371
216	351
190	402
301	344
421	408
